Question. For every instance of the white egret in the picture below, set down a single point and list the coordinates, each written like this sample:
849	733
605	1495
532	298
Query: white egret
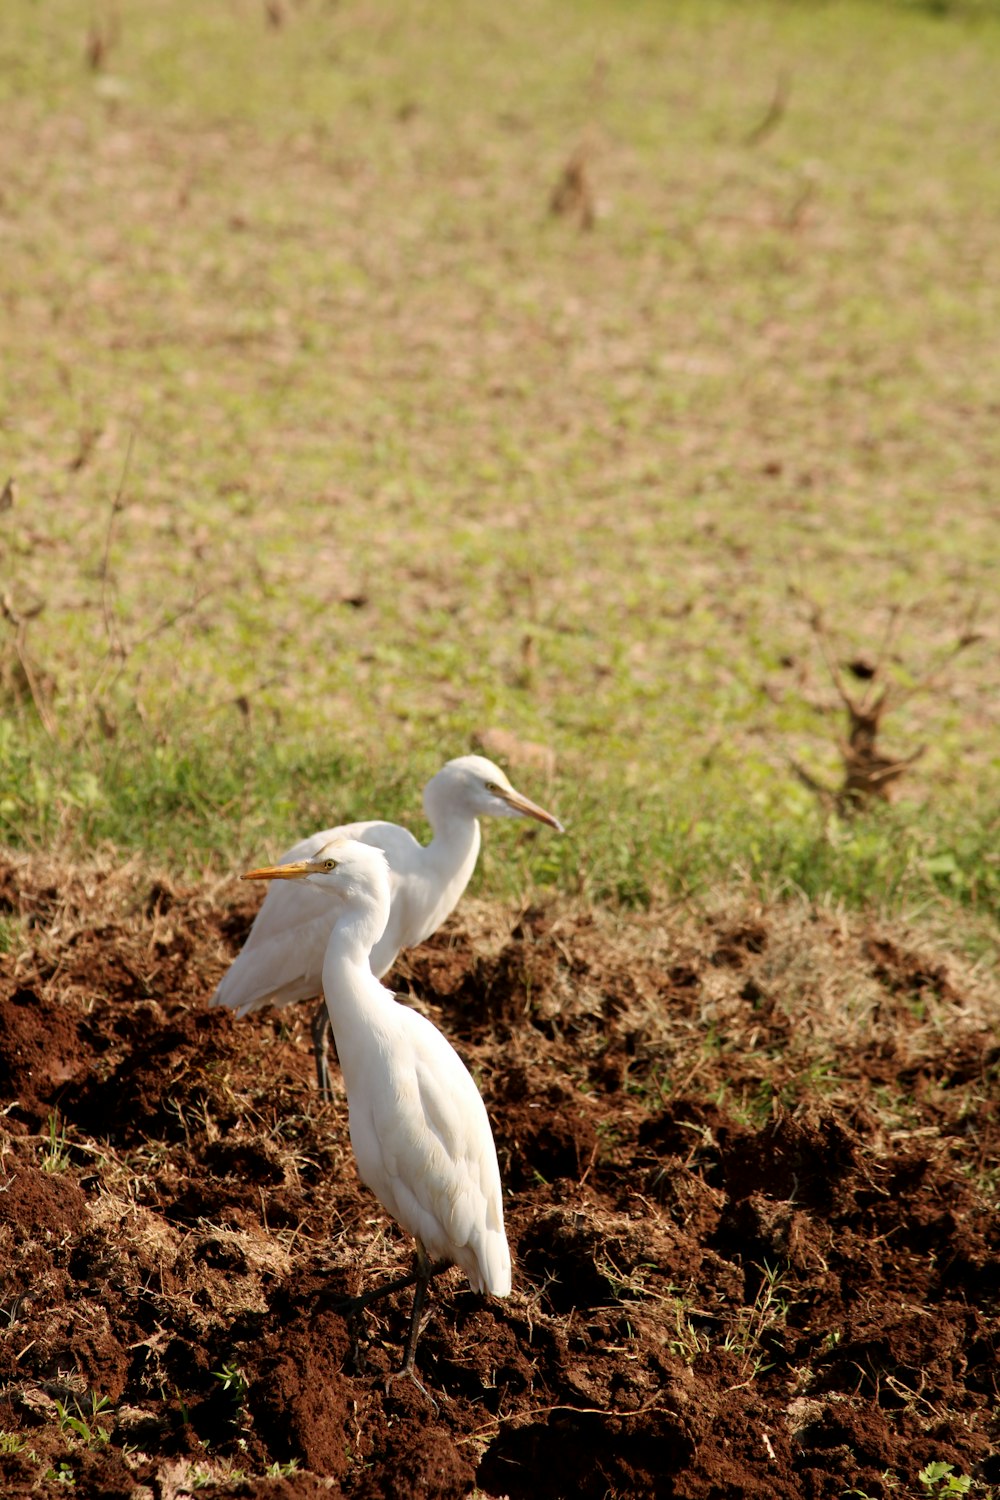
419	1128
282	958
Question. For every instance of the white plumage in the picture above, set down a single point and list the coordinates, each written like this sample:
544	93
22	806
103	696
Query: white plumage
422	1138
419	1128
282	959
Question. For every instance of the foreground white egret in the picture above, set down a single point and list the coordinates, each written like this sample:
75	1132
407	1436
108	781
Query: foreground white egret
282	958
418	1126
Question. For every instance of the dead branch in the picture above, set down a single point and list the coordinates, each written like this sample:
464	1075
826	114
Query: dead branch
160	627
868	774
968	636
168	621
826	795
103	35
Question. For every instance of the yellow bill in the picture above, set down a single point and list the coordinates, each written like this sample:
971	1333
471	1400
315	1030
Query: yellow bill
298	870
525	806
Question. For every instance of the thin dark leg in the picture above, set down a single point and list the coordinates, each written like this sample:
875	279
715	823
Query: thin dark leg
354	1308
422	1276
366	1299
424	1271
322	1033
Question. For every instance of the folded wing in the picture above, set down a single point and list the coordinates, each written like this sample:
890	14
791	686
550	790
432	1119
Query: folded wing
424	1146
282	958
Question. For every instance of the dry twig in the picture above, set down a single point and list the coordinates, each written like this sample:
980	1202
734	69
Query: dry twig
116	646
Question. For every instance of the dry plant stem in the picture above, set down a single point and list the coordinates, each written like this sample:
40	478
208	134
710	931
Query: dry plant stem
169	621
774	114
116	646
119	653
968	636
20	623
868	774
573	195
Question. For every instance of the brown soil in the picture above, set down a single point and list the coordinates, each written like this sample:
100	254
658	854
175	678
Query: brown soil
750	1158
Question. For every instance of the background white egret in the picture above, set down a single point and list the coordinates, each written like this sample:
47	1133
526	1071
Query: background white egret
419	1129
282	958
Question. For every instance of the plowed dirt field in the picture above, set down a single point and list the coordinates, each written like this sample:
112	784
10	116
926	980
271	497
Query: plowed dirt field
750	1157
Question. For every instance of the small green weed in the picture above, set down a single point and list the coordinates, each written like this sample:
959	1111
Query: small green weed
61	1473
769	1310
687	1343
200	1478
939	1479
83	1425
56	1157
232	1380
11	1442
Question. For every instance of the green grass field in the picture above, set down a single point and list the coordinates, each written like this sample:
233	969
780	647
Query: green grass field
333	446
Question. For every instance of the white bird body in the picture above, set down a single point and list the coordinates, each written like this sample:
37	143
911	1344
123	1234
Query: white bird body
419	1128
282	959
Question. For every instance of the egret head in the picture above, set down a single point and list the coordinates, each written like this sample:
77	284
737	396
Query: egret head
355	873
473	785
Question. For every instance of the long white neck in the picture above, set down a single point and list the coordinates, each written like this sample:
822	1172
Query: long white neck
454	846
349	985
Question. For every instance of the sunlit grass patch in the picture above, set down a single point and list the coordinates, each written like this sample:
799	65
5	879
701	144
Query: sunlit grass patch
201	804
333	446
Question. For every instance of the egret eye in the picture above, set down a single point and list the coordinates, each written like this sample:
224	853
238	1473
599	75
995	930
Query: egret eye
491	786
329	864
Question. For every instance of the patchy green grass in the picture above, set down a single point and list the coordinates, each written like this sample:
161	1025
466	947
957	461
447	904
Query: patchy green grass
334	447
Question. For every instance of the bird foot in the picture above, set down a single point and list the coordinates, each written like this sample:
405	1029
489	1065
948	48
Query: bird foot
408	1373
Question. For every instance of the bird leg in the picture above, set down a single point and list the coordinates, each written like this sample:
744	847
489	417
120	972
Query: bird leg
322	1032
354	1309
424	1271
358	1304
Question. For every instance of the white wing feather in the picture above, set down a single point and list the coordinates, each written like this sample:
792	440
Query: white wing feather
424	1146
282	958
